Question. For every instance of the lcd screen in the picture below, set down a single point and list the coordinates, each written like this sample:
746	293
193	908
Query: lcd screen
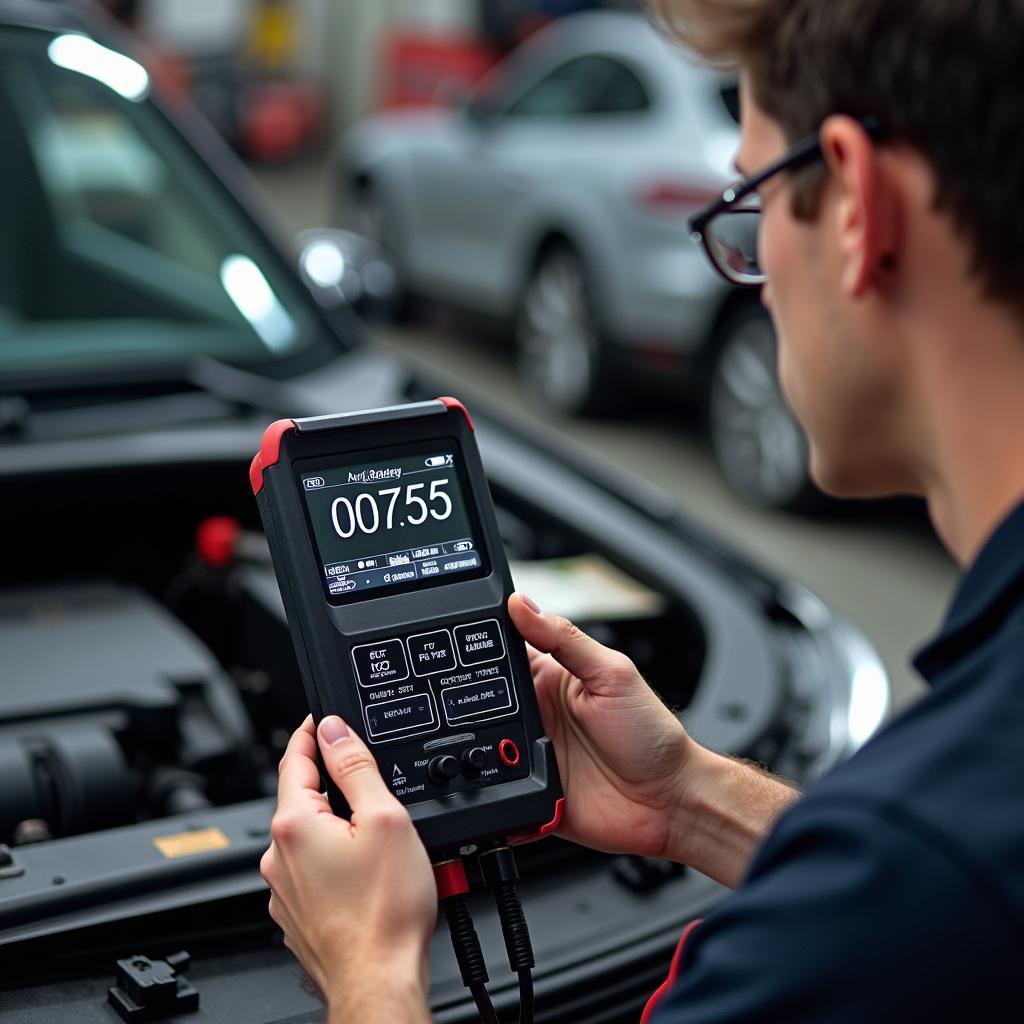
385	522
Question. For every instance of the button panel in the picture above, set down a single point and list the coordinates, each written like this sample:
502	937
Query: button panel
457	676
479	642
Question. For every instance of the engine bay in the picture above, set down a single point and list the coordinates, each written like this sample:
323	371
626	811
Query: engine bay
154	676
148	687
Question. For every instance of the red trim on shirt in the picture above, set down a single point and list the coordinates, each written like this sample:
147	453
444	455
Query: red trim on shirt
673	975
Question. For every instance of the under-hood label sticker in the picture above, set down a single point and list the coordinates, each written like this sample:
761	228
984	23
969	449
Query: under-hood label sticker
185	844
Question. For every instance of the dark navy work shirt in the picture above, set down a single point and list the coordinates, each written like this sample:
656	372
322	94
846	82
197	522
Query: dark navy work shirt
894	890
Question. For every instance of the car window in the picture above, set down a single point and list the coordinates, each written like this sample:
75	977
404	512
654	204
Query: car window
117	246
621	91
729	90
588	85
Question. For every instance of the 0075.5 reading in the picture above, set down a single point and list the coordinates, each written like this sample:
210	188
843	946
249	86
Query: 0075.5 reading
365	513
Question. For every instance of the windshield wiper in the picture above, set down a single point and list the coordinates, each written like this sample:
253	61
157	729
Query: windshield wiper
201	390
249	390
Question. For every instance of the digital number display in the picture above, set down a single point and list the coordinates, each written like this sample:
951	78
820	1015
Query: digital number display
390	523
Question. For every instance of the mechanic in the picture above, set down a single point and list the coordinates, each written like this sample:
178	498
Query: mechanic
894	260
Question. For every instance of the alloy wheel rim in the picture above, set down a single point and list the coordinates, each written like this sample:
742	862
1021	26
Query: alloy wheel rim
556	333
758	443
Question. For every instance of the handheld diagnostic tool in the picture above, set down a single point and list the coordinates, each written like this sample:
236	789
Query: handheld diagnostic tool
386	548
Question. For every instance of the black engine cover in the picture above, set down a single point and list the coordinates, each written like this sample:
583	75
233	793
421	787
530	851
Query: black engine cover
106	700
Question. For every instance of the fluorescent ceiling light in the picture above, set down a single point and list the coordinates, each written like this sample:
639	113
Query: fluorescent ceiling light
127	77
252	295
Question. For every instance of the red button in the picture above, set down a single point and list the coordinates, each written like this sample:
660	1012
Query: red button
215	540
509	753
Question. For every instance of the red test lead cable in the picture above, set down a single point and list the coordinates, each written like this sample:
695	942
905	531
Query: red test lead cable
452	887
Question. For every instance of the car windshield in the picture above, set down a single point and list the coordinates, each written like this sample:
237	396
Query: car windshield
116	246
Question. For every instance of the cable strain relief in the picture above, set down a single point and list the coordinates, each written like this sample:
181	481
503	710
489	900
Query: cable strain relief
465	941
497	865
450	876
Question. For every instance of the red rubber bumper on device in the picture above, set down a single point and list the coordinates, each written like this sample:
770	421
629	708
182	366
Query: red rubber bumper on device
269	453
454	403
544	830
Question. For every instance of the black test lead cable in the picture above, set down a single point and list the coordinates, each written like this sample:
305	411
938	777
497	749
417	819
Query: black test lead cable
498	866
452	887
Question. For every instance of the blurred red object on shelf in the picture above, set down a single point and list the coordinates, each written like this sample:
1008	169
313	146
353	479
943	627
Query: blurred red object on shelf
281	119
414	67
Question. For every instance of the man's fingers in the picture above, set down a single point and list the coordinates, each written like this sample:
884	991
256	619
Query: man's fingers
354	771
582	655
298	770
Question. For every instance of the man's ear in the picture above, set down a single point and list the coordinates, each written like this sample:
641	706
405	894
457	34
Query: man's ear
864	214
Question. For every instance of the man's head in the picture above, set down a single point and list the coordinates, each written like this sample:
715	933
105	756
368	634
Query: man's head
866	245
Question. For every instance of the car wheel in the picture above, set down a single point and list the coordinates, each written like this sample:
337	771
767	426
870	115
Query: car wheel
563	355
759	446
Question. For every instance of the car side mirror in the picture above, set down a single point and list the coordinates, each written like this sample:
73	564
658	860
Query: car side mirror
342	268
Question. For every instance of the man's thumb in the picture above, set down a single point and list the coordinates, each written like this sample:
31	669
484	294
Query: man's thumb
350	764
573	649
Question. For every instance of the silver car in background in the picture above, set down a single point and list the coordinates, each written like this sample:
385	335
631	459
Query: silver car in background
556	198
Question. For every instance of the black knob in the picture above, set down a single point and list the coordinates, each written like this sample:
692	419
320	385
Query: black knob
443	769
474	760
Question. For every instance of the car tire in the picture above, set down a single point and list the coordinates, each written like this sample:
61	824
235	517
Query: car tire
759	446
563	354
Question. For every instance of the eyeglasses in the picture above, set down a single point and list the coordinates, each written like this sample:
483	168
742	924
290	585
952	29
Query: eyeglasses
729	227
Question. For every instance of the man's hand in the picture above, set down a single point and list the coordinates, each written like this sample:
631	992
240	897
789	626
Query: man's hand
622	755
356	899
634	781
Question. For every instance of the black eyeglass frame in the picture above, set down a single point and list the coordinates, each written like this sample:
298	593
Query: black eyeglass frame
803	153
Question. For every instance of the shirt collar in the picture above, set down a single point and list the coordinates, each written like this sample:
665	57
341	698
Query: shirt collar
990	590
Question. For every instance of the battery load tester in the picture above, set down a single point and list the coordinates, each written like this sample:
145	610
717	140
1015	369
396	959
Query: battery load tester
386	547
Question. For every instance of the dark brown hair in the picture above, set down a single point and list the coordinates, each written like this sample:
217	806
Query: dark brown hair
943	76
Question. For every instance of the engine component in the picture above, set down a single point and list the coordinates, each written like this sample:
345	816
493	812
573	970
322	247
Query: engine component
9	867
110	710
70	775
152	990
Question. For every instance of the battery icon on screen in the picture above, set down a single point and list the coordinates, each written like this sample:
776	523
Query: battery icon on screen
439	460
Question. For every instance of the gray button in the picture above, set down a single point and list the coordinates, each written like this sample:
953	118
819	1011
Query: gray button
476	700
479	642
415	712
380	662
431	652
